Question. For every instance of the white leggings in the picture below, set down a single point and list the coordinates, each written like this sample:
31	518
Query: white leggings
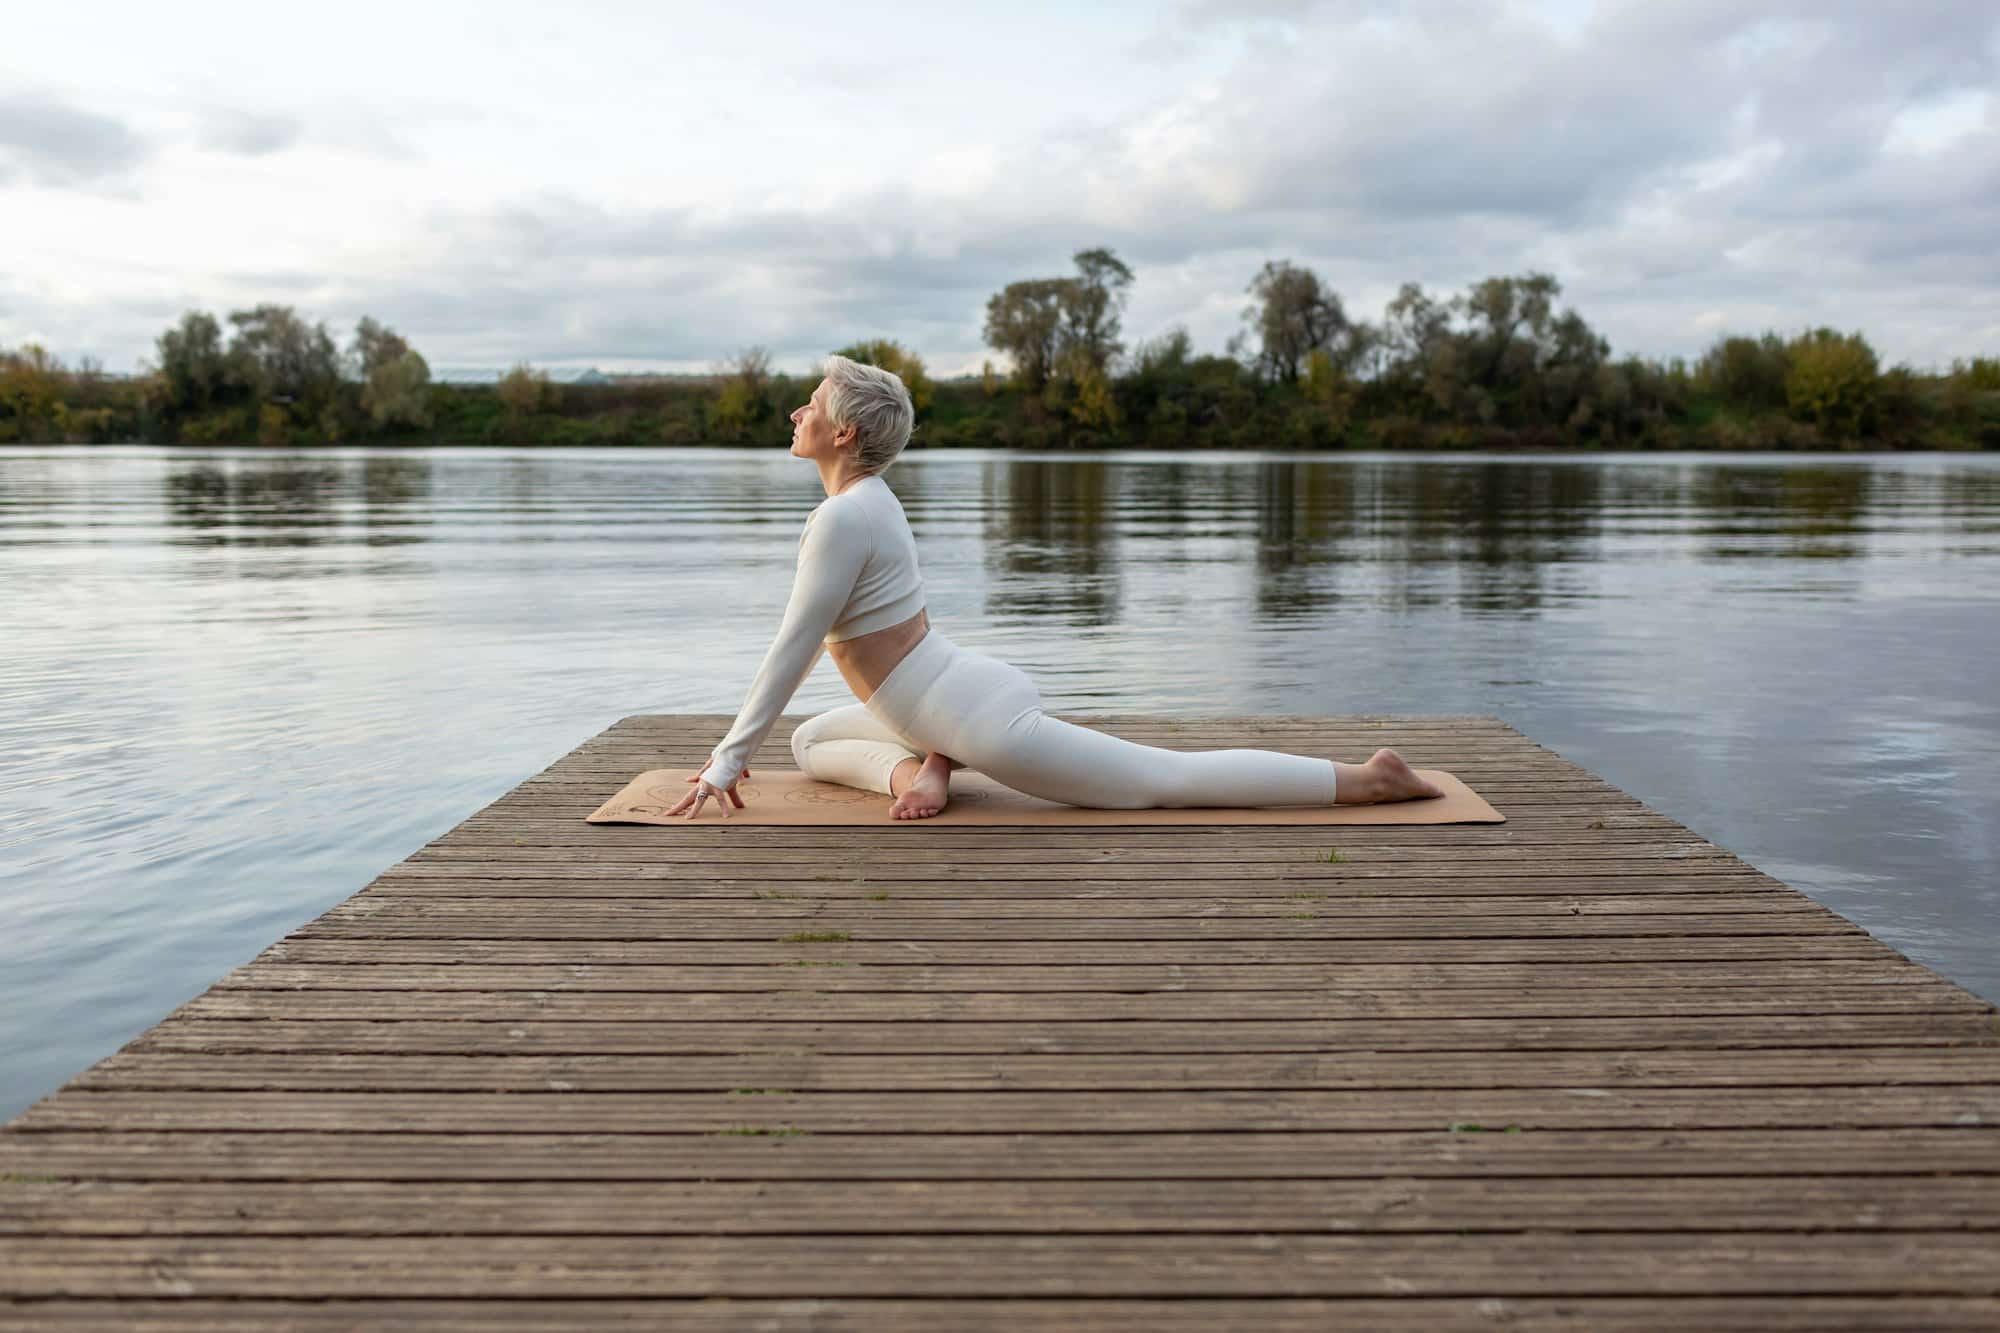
987	715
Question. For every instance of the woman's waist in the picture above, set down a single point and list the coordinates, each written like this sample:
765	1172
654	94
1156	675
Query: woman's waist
867	660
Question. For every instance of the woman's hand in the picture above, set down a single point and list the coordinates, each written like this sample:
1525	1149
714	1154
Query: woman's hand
703	790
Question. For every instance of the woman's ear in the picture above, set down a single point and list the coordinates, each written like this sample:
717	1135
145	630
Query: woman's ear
846	435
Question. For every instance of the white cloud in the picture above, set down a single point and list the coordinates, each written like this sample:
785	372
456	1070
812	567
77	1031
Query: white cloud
621	184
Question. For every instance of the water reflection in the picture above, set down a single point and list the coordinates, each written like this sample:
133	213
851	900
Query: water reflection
1304	515
1058	530
395	479
286	503
1052	532
1789	511
296	501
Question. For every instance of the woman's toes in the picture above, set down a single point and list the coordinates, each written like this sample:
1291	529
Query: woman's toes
910	806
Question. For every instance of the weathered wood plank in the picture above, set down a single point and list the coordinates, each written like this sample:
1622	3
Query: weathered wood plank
1721	950
1238	864
1247	861
1656	1263
1830	1203
1332	904
757	1075
1583	984
827	1006
476	1023
1254	971
1126	1110
1400	1314
1565	831
612	881
400	1154
584	917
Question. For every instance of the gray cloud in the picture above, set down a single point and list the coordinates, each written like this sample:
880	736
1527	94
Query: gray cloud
249	133
1684	170
49	142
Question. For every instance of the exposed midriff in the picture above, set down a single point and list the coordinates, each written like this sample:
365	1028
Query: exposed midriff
866	660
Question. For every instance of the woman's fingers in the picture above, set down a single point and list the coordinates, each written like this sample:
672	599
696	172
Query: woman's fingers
698	795
723	798
732	793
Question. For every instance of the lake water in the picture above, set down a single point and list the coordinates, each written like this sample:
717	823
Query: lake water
237	684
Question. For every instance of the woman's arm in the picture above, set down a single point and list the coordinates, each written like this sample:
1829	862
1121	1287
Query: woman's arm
832	550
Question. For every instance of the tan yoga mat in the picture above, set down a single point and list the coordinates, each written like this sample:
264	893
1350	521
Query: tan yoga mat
793	798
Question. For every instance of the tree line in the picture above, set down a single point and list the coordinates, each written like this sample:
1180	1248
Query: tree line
1501	363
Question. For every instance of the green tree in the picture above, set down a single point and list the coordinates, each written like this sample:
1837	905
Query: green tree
1500	354
1294	315
274	425
375	346
1747	373
1093	308
1560	377
1166	356
1833	382
280	359
1158	385
1971	398
1084	392
1024	320
524	391
1415	341
1980	374
194	369
398	392
31	384
1327	384
897	360
745	396
1510	319
1048	325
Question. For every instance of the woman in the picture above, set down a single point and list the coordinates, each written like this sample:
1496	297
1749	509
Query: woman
928	706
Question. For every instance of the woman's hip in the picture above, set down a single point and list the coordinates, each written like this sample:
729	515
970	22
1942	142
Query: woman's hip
944	695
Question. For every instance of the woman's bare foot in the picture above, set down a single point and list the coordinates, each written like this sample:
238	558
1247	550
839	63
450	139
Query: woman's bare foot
1385	777
928	791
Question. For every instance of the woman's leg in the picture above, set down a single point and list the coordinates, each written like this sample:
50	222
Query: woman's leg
988	715
854	748
1079	766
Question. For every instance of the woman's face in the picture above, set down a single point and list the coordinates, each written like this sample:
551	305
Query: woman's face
812	434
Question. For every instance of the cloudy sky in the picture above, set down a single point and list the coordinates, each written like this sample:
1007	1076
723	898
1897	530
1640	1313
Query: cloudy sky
660	185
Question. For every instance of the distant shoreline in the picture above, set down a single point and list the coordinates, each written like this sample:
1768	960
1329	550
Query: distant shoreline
698	414
1209	404
413	445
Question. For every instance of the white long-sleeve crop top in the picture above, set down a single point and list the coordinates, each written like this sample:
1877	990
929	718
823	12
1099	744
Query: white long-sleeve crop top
857	573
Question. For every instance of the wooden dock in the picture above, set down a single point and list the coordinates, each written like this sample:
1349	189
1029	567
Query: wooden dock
1583	1070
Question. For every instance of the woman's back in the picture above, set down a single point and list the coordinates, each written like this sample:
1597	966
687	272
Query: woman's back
890	589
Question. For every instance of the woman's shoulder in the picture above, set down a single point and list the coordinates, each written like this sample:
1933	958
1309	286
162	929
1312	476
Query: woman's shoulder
861	506
839	516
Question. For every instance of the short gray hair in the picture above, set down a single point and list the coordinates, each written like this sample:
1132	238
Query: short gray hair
874	401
